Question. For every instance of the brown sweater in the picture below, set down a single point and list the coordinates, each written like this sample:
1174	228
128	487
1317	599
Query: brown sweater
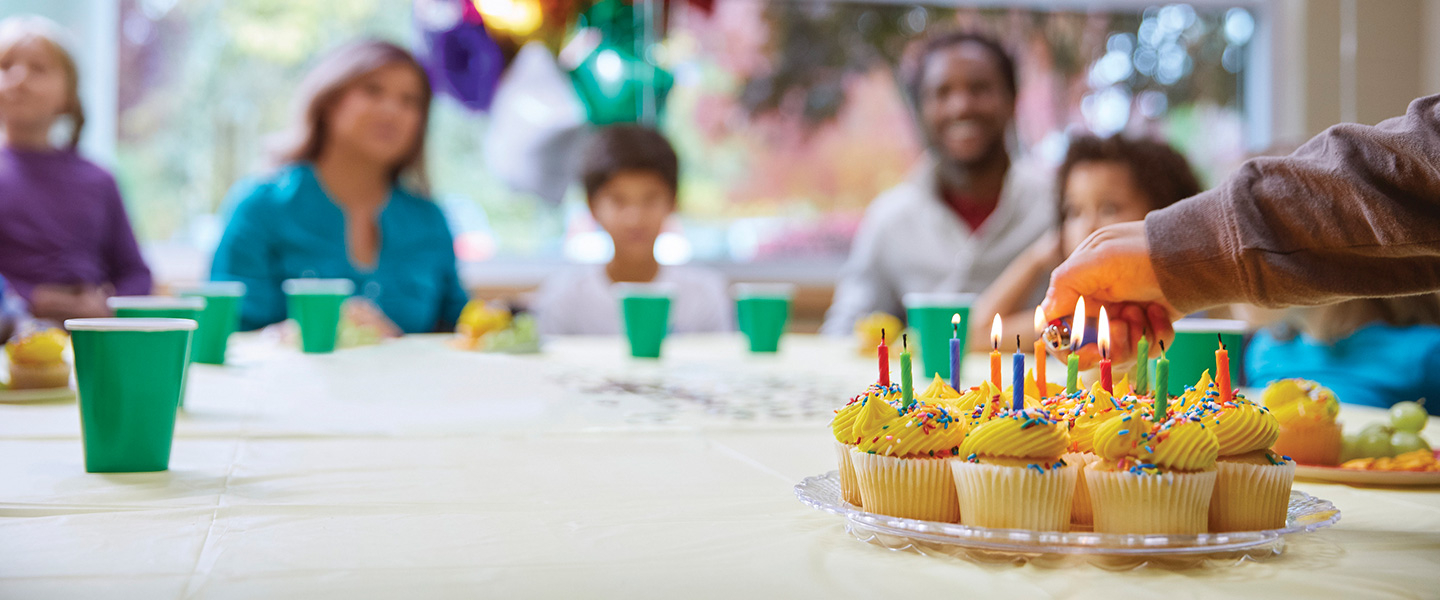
1353	213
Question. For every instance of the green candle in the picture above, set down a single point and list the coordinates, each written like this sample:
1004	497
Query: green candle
907	384
1072	374
1142	367
1162	384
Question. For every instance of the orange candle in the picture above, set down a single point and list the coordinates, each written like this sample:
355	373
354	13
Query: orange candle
1040	352
1222	370
995	354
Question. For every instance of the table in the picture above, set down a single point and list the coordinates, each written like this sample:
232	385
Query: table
411	469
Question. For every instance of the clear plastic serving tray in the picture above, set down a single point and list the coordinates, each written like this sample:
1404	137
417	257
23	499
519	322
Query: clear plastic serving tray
1306	513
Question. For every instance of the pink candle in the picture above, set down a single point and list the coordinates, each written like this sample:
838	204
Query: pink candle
884	360
1104	335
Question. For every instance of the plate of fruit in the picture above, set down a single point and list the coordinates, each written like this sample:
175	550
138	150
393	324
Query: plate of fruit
495	327
1392	452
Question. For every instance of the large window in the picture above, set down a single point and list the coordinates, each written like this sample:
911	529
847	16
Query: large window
787	115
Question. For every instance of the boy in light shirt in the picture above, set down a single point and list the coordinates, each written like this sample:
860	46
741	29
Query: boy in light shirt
631	175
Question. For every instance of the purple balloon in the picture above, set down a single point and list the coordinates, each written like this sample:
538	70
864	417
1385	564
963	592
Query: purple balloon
464	63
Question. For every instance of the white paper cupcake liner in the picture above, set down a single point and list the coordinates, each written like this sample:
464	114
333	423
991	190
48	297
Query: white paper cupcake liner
912	488
849	486
1250	497
1014	497
1081	512
1172	503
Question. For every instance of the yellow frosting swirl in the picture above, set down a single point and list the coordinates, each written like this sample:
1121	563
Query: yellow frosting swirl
1028	434
1294	401
843	425
1241	426
1194	395
1181	443
939	390
923	429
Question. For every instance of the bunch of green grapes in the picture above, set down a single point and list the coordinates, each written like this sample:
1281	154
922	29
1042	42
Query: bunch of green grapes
1400	435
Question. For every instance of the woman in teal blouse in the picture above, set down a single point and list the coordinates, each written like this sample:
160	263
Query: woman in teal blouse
344	204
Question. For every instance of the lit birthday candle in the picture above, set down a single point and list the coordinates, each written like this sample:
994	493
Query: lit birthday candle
955	351
1077	337
1040	352
1018	395
1106	377
995	352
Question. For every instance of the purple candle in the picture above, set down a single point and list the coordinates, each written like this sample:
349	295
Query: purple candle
955	351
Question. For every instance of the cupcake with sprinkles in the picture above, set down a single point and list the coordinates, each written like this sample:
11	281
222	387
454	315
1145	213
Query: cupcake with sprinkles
1252	483
1306	411
901	459
843	426
1082	417
1010	474
1153	477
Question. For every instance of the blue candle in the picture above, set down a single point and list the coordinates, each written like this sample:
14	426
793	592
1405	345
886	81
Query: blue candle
955	351
1019	376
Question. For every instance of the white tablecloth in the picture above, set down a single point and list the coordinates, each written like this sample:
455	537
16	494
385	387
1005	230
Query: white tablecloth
414	470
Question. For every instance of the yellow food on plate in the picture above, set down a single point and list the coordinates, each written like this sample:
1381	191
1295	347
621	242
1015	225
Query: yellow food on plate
867	331
1416	460
1306	413
37	360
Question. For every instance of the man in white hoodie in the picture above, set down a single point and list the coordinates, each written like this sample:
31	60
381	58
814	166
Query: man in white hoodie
967	210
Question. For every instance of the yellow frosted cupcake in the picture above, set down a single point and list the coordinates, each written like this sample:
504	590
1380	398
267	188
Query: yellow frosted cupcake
843	427
1011	475
1083	416
901	460
1252	483
1306	412
37	361
1152	478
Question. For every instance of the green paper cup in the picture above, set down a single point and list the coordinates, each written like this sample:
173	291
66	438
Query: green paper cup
761	310
220	318
645	314
160	307
930	314
130	373
1193	351
315	306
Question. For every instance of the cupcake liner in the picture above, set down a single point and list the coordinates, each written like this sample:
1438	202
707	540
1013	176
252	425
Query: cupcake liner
1081	511
1014	497
849	487
25	377
1310	443
1250	497
1171	503
912	488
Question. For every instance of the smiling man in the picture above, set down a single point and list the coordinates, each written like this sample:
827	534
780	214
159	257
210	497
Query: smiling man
967	210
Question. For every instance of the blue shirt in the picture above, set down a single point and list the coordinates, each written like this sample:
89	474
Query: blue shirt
286	226
1378	365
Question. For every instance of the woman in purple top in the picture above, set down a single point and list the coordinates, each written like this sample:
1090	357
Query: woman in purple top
65	242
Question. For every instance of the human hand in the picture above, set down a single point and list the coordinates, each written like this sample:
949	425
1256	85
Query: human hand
1111	268
365	316
69	301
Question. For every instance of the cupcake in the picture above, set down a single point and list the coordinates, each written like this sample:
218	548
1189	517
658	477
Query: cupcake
1010	474
1152	478
37	361
1082	417
1252	483
901	460
1306	412
842	426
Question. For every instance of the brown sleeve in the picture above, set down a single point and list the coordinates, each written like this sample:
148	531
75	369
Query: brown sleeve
1355	212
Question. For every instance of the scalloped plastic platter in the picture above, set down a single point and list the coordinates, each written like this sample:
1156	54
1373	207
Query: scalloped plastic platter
1306	513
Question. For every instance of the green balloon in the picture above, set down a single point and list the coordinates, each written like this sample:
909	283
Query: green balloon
618	87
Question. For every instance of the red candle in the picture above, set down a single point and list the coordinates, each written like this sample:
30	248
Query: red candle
1222	370
1040	353
995	354
1104	335
884	360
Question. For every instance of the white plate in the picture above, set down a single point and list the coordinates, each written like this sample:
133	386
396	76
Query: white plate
60	394
1339	475
1306	513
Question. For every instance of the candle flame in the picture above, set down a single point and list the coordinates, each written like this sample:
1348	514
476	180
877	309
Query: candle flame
1104	334
995	330
1077	329
955	320
1039	321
